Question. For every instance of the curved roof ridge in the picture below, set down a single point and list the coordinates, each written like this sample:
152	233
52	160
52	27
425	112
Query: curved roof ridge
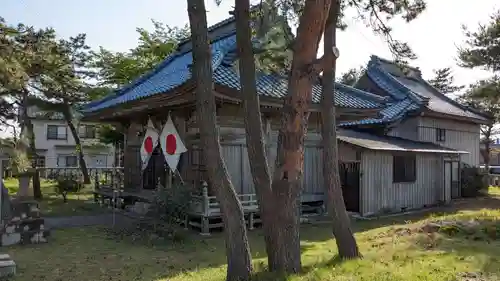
361	92
375	65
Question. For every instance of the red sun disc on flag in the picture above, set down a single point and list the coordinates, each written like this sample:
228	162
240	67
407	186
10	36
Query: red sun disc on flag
171	142
148	145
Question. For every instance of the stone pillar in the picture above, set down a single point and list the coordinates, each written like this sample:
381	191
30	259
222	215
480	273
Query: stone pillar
132	158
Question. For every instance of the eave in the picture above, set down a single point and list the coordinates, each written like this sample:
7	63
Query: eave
183	96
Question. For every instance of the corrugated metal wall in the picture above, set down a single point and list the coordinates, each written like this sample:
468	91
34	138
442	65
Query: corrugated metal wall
379	193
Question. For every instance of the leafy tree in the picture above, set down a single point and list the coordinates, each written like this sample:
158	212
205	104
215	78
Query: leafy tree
443	81
237	249
120	68
63	87
116	69
482	47
484	95
482	50
351	76
279	195
30	52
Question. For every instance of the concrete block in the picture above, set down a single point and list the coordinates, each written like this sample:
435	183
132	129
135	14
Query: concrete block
7	268
11	239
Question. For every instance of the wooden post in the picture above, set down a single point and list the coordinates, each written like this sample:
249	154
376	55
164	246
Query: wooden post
1	191
132	161
205	227
96	185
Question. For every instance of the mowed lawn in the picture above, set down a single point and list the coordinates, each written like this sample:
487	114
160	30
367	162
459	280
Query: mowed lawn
80	203
394	248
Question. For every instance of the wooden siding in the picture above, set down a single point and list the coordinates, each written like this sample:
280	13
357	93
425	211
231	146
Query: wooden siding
379	194
459	135
238	165
407	129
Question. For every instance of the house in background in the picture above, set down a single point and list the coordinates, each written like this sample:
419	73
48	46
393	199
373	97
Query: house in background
56	146
401	142
494	153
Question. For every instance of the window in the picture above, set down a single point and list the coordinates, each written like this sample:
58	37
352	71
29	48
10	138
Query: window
40	161
57	132
98	160
87	132
404	168
440	134
67	161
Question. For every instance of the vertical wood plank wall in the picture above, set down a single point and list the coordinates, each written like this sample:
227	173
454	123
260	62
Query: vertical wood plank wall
380	194
238	165
461	136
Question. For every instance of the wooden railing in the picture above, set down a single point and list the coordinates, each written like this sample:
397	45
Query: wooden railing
208	206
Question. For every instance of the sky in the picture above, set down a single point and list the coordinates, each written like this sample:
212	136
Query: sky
433	36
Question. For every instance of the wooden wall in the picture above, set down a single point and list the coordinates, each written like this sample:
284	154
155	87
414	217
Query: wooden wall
379	193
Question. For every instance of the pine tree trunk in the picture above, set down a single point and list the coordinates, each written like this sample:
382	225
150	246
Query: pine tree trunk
237	248
79	149
290	155
37	189
256	148
344	237
487	147
27	130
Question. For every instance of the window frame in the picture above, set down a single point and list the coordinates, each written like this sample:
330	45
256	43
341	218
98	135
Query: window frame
57	136
404	162
66	157
440	135
86	129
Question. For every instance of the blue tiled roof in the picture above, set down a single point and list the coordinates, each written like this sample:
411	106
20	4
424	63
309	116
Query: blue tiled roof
399	86
392	112
175	71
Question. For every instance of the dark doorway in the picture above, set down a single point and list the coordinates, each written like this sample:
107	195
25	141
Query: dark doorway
155	171
349	178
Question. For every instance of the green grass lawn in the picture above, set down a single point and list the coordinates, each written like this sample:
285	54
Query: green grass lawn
494	190
393	249
80	203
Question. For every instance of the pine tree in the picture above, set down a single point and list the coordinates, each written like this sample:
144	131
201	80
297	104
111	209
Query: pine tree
444	82
482	50
296	57
239	262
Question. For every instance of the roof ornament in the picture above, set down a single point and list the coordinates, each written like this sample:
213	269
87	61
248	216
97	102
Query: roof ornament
335	51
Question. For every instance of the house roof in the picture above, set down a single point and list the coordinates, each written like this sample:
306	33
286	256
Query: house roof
175	71
388	143
399	85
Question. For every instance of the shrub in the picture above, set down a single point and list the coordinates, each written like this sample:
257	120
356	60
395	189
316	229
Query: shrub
472	182
65	185
170	206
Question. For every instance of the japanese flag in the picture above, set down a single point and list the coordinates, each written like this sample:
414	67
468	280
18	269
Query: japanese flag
149	143
171	144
